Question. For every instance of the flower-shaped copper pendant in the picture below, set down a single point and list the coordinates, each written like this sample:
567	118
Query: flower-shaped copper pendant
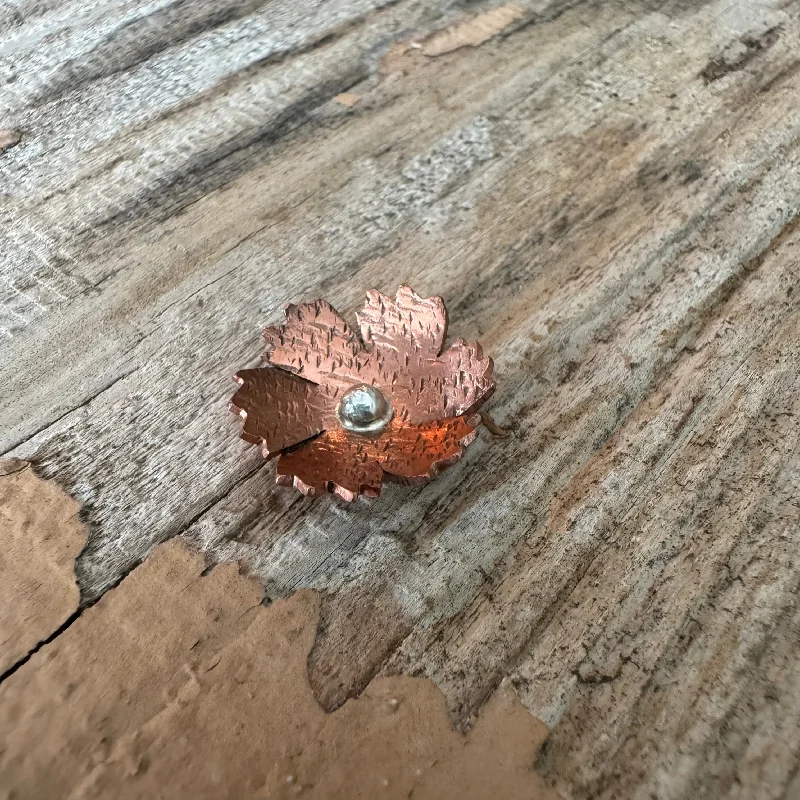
344	412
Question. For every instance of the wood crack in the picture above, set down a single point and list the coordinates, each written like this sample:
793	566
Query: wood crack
34	650
86	402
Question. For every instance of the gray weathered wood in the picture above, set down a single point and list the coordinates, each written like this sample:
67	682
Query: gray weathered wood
606	193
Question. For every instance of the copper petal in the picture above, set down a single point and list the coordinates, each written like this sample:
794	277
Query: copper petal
414	454
407	323
424	389
348	464
317	344
279	409
335	461
468	378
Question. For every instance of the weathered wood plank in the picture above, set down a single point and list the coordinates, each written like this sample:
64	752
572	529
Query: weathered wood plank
605	193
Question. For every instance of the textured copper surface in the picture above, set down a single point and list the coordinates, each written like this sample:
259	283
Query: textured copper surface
406	453
316	357
280	409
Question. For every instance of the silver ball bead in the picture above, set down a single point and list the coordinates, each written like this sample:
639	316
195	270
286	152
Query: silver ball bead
364	409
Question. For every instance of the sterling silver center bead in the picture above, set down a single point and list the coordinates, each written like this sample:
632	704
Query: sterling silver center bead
364	409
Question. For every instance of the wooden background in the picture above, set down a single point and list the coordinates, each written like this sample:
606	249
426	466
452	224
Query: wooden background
605	193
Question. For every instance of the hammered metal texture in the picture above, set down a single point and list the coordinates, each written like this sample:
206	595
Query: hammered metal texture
317	344
279	409
316	357
356	464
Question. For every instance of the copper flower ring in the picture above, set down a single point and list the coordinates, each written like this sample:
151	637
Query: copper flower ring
342	412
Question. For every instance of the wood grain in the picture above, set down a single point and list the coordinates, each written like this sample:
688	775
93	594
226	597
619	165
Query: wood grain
605	194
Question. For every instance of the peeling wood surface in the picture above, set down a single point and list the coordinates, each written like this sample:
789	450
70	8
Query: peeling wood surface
41	537
179	683
605	193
